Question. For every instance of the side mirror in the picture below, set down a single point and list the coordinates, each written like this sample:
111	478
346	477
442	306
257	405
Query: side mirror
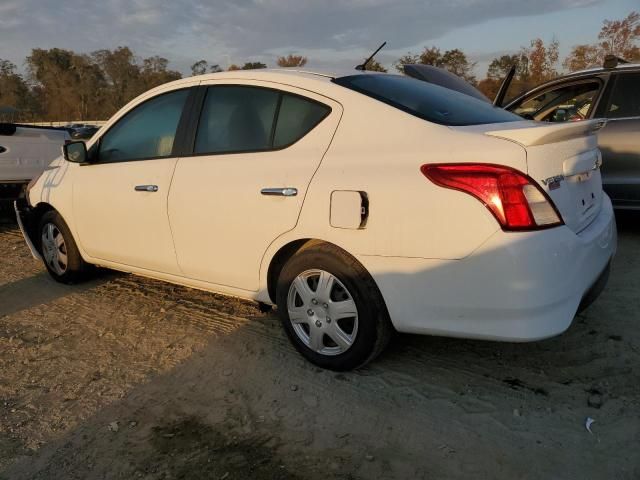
75	152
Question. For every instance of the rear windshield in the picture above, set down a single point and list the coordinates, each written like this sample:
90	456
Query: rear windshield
427	101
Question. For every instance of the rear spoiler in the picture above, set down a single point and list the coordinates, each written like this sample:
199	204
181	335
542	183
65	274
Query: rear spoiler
541	134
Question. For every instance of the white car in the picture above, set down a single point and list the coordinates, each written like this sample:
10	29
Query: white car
359	205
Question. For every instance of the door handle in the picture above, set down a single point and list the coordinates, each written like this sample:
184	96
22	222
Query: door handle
280	191
146	188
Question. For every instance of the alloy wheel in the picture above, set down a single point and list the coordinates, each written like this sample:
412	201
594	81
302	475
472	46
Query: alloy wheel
54	249
322	312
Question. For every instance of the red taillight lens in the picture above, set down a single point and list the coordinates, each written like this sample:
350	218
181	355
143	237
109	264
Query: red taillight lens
510	195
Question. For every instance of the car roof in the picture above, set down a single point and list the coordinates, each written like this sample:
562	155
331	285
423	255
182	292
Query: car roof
282	75
620	66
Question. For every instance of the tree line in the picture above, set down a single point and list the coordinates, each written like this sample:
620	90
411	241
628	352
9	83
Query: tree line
63	85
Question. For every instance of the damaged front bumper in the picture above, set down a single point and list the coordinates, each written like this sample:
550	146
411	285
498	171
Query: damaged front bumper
24	215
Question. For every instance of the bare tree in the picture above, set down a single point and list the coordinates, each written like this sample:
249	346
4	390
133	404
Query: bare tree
292	61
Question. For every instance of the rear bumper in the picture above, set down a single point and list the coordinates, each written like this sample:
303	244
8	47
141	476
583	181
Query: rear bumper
518	286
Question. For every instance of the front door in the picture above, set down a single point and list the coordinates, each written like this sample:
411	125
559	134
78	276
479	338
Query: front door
120	198
256	149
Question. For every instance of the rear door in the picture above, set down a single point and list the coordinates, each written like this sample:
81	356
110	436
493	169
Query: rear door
120	199
619	141
255	150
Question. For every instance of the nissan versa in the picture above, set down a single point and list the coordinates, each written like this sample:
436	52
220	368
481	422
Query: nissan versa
358	204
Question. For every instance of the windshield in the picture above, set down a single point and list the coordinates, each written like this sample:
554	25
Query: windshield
427	101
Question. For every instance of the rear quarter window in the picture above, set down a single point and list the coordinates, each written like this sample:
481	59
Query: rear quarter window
427	101
625	101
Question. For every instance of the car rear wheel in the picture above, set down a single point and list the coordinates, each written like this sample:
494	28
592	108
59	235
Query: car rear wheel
59	251
331	308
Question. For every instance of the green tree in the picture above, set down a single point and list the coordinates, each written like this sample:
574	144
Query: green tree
53	73
14	91
202	66
154	72
455	61
199	68
375	66
253	66
122	75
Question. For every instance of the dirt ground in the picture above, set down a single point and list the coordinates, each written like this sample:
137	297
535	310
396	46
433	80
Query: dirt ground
124	377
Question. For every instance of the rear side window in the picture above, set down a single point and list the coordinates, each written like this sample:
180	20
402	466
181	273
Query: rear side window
147	131
297	116
427	101
625	100
236	119
249	119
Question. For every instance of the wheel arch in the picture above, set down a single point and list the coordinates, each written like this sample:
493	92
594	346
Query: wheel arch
286	251
279	259
31	227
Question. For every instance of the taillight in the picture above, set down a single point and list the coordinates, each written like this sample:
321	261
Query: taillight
511	196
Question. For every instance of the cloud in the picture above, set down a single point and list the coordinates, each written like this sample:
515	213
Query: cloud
237	30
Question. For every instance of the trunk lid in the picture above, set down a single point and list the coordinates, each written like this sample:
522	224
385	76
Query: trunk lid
564	160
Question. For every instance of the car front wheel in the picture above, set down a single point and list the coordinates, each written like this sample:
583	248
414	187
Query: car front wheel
59	251
331	308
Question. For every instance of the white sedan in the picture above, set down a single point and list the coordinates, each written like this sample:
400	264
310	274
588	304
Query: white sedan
359	205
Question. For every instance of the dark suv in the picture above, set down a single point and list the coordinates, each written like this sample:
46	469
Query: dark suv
611	92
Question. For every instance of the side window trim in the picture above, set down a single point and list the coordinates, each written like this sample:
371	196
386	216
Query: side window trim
604	99
274	124
191	121
177	144
196	114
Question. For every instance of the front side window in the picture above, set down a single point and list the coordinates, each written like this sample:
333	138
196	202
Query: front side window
569	103
249	119
147	131
625	101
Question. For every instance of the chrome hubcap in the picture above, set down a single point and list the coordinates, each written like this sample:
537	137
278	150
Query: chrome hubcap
54	249
322	312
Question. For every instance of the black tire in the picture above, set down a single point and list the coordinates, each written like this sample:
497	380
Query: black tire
76	267
374	327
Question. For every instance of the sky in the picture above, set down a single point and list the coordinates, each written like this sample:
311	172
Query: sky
332	34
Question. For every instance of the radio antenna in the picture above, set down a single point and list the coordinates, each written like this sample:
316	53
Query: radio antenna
363	66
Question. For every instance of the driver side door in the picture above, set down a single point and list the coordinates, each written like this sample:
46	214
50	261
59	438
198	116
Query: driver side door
120	197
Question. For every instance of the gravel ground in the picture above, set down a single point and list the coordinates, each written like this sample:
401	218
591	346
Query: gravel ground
124	377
